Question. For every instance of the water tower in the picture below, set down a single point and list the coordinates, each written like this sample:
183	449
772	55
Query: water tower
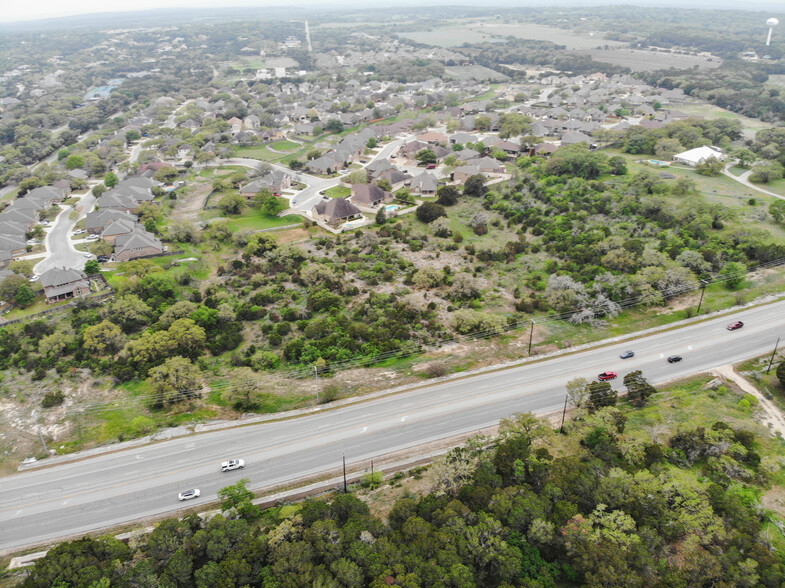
771	23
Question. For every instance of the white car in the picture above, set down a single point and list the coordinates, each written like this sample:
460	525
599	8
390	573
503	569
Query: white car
188	494
88	255
232	464
35	278
79	232
92	238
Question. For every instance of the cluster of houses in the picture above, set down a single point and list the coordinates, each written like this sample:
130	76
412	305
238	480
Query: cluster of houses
115	221
19	218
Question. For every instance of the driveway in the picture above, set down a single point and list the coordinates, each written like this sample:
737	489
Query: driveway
744	179
60	250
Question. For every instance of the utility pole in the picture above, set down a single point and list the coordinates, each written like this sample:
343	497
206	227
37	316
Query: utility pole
773	354
703	289
316	373
38	427
531	335
563	414
345	488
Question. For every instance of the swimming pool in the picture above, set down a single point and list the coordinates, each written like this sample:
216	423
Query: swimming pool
657	162
391	207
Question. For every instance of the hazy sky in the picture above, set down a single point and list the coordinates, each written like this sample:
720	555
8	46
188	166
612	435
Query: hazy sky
14	10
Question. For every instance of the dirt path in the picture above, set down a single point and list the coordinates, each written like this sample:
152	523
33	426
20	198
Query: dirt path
773	417
189	208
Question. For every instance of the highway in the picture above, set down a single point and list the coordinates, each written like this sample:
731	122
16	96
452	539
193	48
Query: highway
129	485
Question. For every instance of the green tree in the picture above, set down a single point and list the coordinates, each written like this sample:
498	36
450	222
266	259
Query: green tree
513	125
777	211
91	266
176	380
232	497
734	274
711	167
166	174
475	186
381	216
132	135
781	373
447	195
430	211
24	296
601	394
103	338
334	125
98	190
261	197
638	388
111	180
246	391
74	162
372	143
11	286
578	391
231	204
426	156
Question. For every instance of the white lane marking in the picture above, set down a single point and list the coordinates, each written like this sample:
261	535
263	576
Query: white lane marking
689	347
403	419
139	456
661	355
190	445
365	429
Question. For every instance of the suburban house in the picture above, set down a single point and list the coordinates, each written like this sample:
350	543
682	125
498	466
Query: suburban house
369	195
96	222
397	179
425	184
61	284
335	211
236	124
117	228
463	173
138	243
276	181
699	155
47	195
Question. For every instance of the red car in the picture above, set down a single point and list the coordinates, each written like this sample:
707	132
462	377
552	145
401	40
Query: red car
607	376
736	325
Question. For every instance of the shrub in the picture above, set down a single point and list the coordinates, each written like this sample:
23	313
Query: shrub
52	398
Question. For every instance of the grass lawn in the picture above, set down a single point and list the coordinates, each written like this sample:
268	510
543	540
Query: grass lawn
259	152
338	192
255	220
285	146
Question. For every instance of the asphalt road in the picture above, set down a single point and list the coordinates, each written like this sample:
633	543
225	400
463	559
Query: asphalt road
77	497
60	248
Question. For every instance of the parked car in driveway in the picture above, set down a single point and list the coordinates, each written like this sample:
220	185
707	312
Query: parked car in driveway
79	232
88	255
627	354
735	325
232	464
607	376
674	358
189	494
103	258
92	238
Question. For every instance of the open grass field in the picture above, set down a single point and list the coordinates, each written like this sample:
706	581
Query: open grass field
474	72
254	220
638	60
479	32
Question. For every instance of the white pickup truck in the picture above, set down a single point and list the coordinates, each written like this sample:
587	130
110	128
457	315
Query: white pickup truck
232	464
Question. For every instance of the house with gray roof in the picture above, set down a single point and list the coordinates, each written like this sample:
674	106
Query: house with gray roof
61	284
369	195
96	222
138	243
335	211
425	184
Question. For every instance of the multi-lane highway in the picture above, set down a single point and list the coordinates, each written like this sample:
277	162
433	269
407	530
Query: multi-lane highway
128	485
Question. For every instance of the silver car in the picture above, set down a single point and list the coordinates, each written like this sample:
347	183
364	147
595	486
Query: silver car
232	464
188	494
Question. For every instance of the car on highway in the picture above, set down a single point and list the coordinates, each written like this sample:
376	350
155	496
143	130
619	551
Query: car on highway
232	464
189	494
674	358
607	376
735	325
627	354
